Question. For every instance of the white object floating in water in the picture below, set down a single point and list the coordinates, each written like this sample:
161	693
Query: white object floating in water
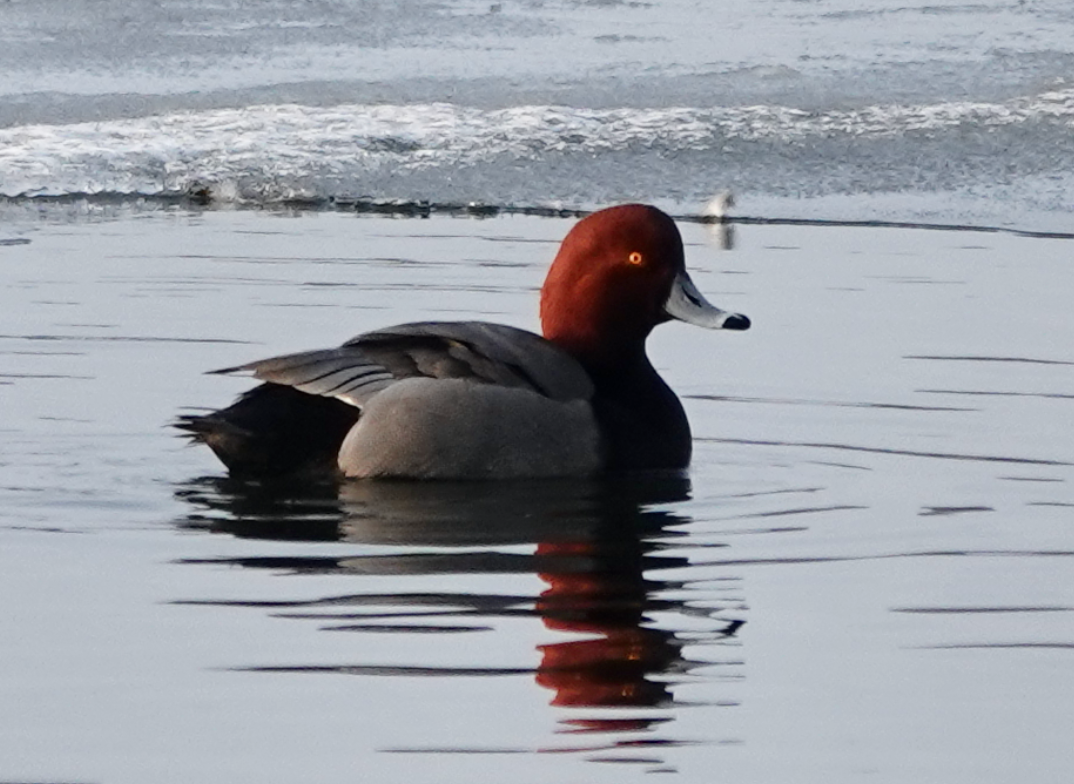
719	205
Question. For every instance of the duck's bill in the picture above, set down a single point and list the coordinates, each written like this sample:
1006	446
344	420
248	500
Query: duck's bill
687	304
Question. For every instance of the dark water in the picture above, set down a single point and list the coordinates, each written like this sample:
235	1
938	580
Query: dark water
867	573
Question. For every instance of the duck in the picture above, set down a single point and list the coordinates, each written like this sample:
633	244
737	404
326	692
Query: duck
477	400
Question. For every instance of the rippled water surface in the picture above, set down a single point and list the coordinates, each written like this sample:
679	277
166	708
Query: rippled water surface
867	576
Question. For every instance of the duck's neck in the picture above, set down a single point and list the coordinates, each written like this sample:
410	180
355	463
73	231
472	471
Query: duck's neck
641	418
606	361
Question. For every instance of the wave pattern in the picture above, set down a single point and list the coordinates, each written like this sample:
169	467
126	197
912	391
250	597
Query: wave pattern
278	152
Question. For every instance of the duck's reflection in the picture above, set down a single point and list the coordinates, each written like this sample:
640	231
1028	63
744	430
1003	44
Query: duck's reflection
596	544
602	594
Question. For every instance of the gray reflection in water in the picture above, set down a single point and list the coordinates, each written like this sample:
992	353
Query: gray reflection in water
596	546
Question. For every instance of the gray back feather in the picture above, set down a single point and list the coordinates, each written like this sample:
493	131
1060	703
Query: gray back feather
484	353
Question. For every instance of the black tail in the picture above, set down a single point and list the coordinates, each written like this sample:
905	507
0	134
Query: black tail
273	431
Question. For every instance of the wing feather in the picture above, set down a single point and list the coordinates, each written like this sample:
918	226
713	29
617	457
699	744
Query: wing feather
485	353
344	373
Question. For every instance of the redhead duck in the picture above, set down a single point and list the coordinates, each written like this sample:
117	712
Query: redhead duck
469	400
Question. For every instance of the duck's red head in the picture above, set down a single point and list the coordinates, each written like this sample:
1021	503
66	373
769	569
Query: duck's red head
619	273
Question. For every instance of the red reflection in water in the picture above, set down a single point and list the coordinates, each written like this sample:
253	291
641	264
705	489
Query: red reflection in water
600	594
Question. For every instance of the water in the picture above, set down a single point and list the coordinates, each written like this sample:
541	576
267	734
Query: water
868	572
896	110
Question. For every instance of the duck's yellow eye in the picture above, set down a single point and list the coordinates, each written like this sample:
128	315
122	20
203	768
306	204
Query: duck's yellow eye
635	258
